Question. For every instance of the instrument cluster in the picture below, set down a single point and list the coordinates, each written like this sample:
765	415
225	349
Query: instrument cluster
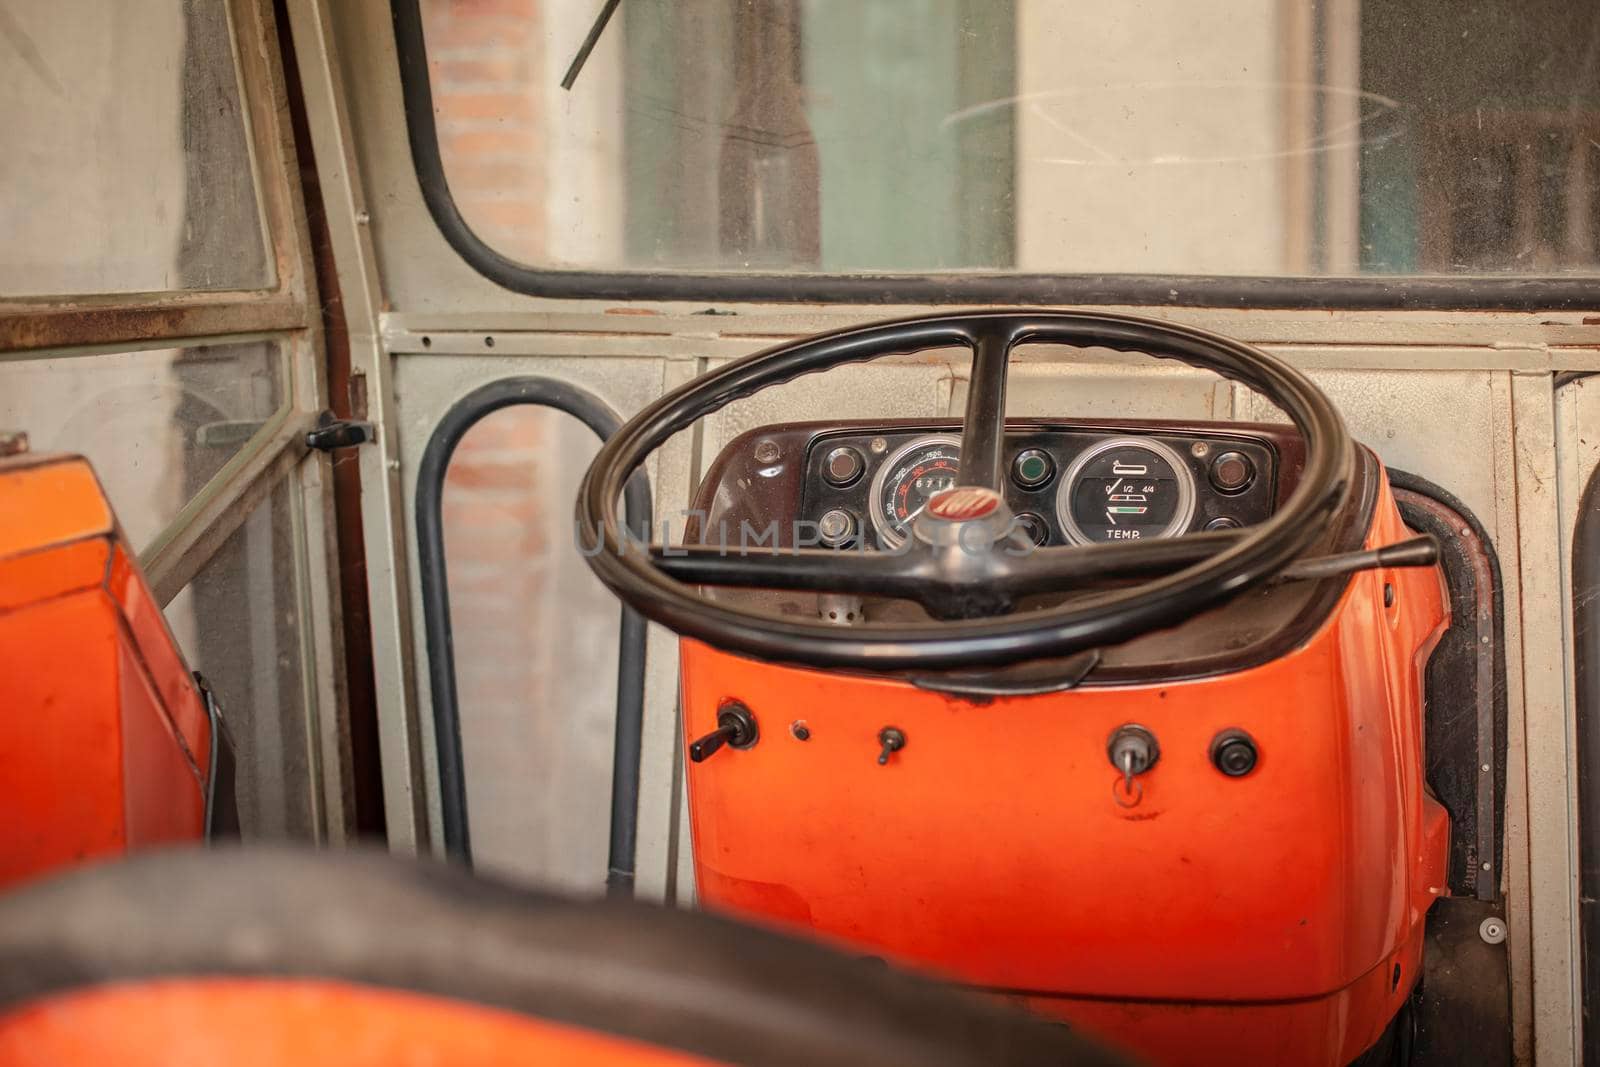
1065	486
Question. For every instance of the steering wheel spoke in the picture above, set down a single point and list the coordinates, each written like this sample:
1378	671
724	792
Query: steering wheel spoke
983	429
813	570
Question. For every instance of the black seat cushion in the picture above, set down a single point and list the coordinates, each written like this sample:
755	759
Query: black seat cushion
672	978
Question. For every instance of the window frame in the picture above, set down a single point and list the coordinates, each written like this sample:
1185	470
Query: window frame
284	314
287	315
1344	293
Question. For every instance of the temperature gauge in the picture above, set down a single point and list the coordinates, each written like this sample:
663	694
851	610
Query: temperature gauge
1126	489
910	476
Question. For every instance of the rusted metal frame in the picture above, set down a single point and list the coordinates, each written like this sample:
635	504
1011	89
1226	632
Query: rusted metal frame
383	513
118	321
135	318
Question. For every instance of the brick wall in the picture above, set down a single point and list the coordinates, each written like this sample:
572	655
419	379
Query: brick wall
535	635
486	62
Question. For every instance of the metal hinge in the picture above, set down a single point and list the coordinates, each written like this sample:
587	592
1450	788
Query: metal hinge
331	433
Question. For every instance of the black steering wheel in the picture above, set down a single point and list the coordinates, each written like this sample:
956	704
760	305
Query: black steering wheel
962	562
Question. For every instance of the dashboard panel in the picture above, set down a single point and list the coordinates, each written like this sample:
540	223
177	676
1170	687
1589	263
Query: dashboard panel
770	485
1065	485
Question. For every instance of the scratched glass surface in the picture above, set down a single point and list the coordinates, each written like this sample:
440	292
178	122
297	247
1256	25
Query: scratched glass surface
1224	137
124	162
158	424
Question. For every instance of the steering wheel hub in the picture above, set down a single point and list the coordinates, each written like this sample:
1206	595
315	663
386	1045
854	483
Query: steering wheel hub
969	517
964	503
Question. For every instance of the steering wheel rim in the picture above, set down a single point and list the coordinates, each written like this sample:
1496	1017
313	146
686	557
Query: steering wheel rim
1240	563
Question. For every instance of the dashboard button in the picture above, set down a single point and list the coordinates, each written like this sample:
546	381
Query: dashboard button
1232	472
843	466
1033	527
1224	522
836	528
1032	468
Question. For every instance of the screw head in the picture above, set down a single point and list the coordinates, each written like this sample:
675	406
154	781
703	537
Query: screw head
1492	930
768	452
800	730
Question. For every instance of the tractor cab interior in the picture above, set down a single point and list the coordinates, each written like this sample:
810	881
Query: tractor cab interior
792	532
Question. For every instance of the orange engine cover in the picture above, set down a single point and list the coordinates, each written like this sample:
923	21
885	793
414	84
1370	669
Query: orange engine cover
305	1022
104	740
1271	918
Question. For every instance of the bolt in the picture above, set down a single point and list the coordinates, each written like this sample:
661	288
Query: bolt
800	730
1492	930
768	452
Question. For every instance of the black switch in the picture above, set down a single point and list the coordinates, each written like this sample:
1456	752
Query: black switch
736	728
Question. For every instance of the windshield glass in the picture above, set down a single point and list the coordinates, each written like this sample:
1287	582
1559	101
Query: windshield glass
1228	137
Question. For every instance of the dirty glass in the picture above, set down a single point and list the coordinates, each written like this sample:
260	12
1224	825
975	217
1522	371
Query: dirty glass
157	424
1223	137
124	161
535	650
238	624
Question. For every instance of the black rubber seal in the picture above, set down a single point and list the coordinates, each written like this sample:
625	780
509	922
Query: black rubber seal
435	588
1385	293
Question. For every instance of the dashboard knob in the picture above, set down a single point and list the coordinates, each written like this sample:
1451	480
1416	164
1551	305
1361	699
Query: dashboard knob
1033	527
842	466
1234	753
836	528
1224	522
1232	472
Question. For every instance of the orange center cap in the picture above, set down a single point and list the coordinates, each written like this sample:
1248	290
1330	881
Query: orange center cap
964	503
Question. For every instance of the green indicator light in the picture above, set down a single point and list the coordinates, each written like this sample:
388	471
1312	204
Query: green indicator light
1033	468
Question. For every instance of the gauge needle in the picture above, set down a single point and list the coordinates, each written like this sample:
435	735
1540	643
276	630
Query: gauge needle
905	523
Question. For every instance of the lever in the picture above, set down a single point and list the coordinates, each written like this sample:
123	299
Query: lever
1420	551
892	740
736	728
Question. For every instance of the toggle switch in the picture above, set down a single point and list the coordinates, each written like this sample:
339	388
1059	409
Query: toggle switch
892	741
736	728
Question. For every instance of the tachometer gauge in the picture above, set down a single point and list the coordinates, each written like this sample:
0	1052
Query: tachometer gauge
1126	489
909	477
